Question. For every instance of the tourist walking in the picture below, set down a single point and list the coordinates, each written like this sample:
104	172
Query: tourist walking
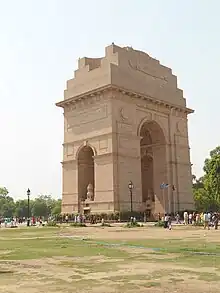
190	218
206	220
166	218
186	218
215	220
178	218
170	222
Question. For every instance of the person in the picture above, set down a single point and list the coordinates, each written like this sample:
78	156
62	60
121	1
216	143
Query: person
198	219
206	220
6	222
209	216
159	217
190	218
215	220
166	218
186	218
178	218
194	218
169	222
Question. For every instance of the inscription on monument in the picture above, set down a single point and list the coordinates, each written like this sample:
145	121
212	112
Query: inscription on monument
69	150
181	127
138	65
103	144
85	117
125	128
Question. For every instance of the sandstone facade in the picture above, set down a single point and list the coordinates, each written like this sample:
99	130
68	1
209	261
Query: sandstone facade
125	119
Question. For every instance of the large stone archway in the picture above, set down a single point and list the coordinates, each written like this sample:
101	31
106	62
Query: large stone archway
86	172
106	105
153	165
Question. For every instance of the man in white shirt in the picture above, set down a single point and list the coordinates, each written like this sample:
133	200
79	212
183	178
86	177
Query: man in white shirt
186	218
206	220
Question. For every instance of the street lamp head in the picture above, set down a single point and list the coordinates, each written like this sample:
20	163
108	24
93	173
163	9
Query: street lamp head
130	185
28	192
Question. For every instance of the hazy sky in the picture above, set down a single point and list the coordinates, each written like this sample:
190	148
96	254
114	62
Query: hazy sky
40	42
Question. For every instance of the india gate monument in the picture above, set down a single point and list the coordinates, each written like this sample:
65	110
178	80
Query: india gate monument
125	126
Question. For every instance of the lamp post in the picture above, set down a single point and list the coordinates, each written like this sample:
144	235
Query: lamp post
131	187
28	195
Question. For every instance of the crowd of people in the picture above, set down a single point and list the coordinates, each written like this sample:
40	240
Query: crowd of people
14	221
207	219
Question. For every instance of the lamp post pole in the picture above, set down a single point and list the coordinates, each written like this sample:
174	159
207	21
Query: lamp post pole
131	187
28	195
164	186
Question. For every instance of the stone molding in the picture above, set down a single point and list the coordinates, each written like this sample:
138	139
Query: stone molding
112	92
68	162
81	141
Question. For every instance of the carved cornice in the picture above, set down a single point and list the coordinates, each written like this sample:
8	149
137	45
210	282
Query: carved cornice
97	93
79	142
66	162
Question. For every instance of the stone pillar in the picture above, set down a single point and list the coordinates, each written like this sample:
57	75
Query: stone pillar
171	163
183	174
170	206
70	187
129	168
104	191
160	176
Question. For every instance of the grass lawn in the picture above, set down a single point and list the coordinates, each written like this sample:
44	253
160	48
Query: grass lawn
96	260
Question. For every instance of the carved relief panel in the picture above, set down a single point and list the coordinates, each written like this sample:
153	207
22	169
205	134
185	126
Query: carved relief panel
68	150
84	117
181	127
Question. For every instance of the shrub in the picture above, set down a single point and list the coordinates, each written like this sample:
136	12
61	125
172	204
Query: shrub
159	224
77	224
105	225
51	224
198	224
133	225
126	215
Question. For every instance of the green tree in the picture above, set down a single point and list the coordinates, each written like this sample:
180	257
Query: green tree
3	192
39	208
21	208
7	205
206	190
50	202
212	175
43	205
199	193
57	208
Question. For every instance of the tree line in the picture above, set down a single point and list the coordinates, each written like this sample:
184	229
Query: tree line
42	206
206	189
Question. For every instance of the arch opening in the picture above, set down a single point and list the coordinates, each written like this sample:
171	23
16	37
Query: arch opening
153	164
86	173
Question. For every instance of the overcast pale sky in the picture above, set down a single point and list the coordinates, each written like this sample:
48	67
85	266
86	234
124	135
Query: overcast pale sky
40	42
